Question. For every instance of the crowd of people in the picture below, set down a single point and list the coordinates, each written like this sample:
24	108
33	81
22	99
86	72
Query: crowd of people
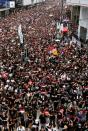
41	90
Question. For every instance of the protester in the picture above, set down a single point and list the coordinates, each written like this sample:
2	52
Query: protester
20	128
42	77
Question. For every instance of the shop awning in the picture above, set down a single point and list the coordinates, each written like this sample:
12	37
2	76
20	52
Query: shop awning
4	9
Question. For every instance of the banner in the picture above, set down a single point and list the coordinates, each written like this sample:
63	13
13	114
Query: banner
20	34
19	29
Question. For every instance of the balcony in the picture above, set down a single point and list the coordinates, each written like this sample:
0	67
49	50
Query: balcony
78	2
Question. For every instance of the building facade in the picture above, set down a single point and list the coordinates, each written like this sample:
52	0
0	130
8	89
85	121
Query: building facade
5	6
80	15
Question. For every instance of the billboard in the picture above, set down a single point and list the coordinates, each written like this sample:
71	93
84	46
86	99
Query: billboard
11	4
4	3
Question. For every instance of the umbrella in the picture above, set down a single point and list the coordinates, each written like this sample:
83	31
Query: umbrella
46	113
65	29
55	52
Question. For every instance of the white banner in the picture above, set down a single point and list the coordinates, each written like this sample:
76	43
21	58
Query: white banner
20	34
19	29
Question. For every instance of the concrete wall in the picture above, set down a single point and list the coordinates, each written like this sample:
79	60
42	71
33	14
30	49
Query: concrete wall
83	20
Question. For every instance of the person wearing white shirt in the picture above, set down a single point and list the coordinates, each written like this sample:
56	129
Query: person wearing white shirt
20	128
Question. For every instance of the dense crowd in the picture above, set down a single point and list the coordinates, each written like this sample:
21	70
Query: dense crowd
40	91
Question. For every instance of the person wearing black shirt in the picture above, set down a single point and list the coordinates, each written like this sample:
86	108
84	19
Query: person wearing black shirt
42	119
52	118
5	129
